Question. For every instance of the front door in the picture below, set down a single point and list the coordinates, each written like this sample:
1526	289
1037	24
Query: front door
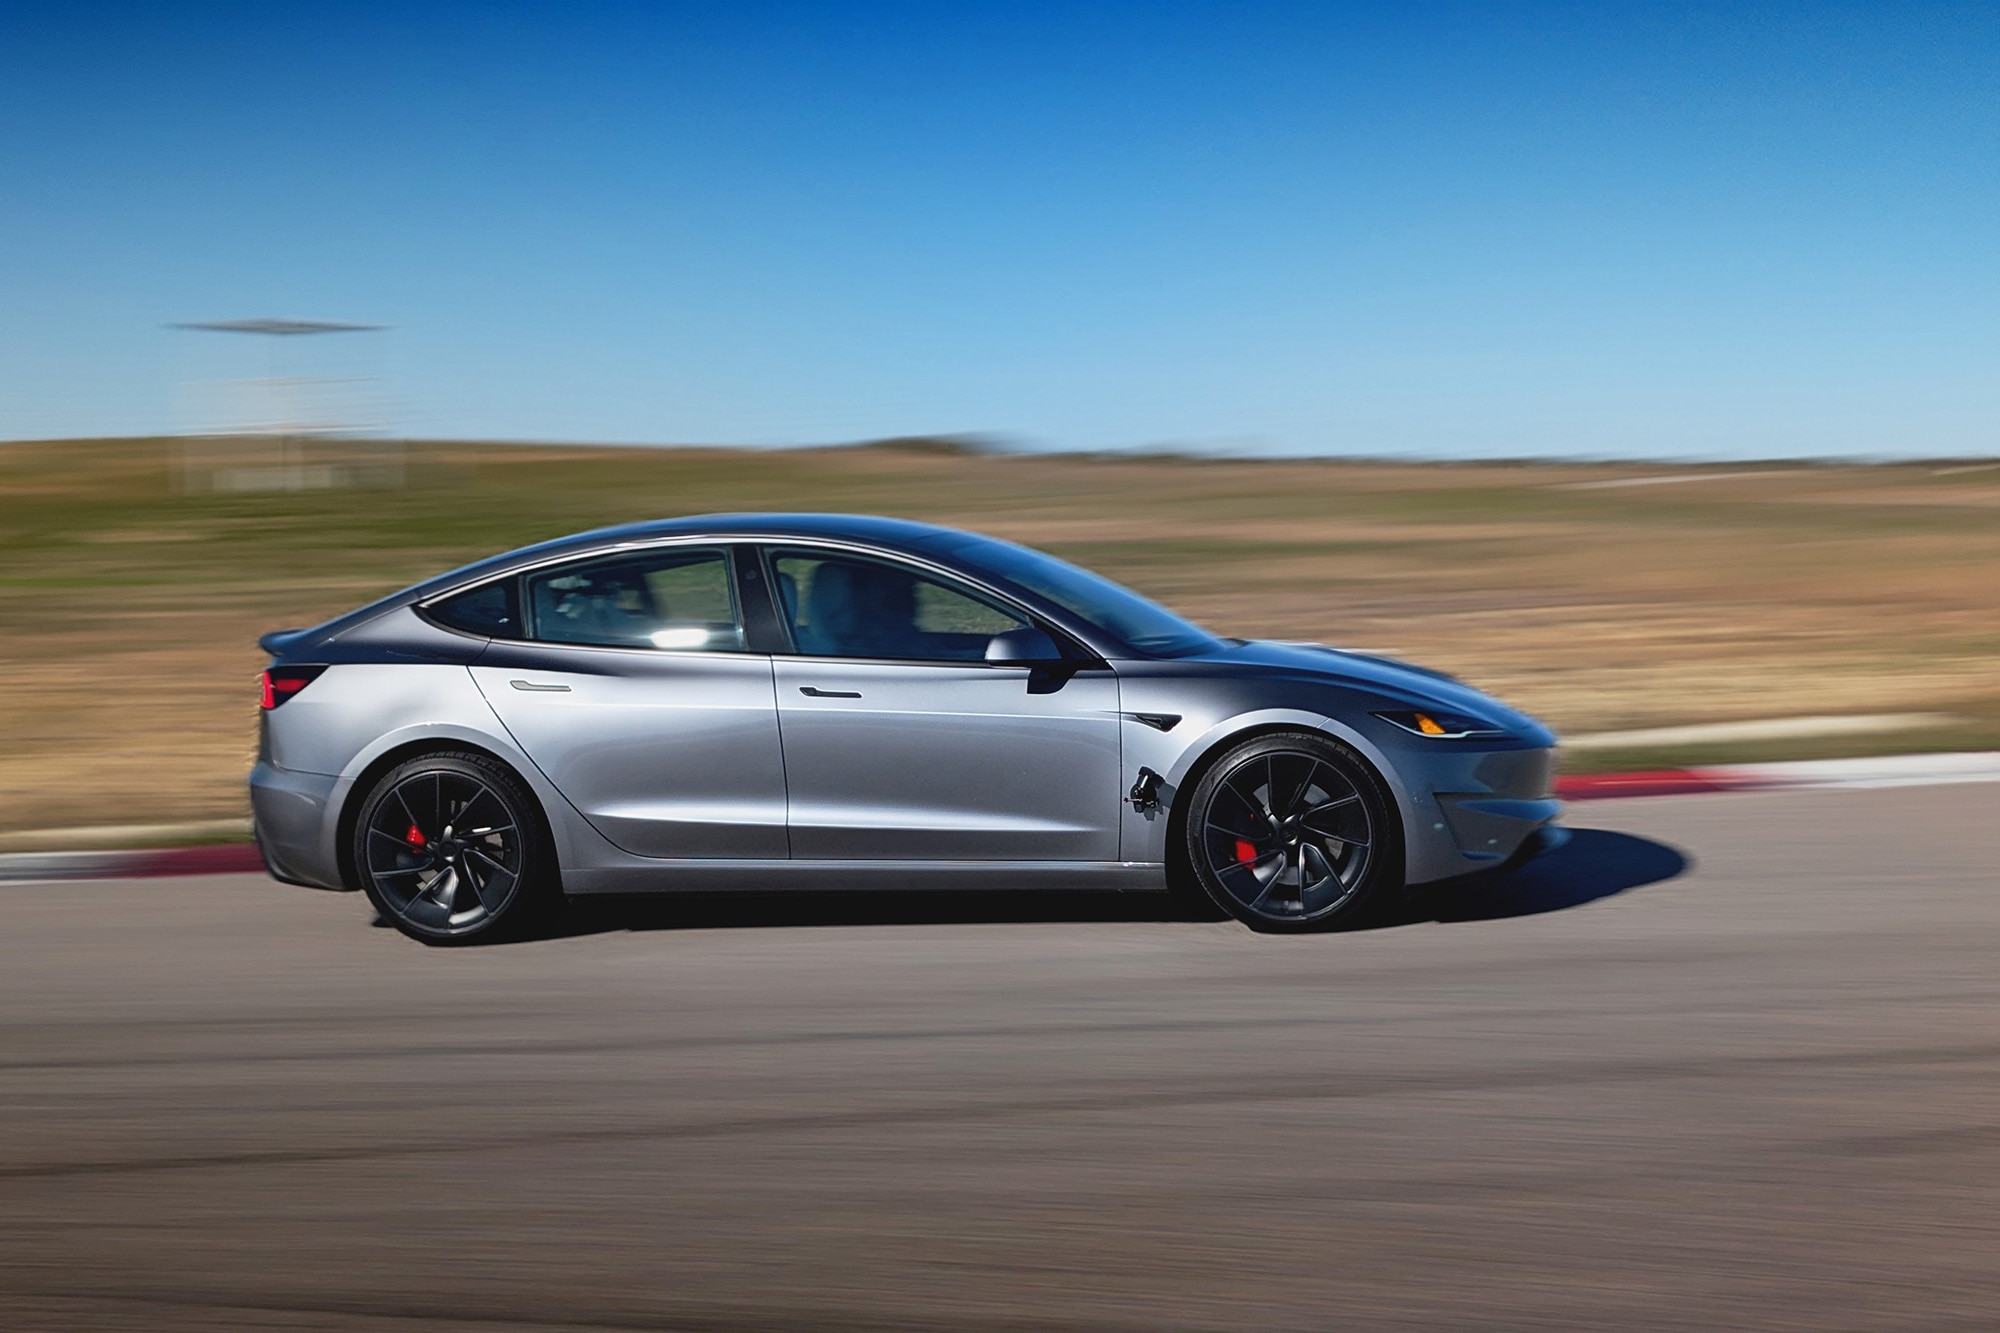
637	701
901	743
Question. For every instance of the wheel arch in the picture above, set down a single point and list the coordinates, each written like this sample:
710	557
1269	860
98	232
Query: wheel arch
1207	752
364	782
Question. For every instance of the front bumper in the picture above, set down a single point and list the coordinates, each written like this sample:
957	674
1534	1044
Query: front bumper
1489	829
1476	809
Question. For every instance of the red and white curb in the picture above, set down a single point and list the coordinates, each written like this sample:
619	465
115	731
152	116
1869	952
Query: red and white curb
1908	770
1901	770
234	858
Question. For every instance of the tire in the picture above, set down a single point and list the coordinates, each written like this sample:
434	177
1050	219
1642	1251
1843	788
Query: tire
1292	832
439	882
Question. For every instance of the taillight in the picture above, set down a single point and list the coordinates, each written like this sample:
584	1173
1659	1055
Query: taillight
280	683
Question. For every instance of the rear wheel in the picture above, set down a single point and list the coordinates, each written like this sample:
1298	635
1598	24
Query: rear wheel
449	848
1292	832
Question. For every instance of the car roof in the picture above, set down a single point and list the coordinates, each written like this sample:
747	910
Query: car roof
891	534
894	534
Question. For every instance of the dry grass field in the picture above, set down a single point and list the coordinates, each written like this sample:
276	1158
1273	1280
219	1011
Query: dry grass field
1599	597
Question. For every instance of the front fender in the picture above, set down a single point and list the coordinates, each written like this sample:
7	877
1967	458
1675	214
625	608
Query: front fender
1145	832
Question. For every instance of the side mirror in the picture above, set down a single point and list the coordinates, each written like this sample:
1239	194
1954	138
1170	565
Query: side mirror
1026	646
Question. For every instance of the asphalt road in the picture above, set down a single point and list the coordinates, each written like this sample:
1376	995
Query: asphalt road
1726	1062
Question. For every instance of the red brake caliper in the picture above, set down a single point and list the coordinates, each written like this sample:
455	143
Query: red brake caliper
415	837
1246	854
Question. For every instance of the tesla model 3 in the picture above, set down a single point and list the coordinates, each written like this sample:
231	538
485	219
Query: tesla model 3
787	701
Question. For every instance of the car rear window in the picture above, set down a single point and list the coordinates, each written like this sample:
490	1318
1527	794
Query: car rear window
659	599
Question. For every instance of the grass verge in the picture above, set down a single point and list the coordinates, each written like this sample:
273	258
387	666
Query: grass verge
129	606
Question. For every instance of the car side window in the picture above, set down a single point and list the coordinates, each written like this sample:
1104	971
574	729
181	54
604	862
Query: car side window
656	599
839	606
492	609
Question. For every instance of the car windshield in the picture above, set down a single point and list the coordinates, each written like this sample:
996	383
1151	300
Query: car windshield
1145	626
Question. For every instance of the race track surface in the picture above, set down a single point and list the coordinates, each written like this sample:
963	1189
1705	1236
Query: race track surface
1725	1062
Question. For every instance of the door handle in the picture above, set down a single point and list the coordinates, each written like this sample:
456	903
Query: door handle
814	693
531	685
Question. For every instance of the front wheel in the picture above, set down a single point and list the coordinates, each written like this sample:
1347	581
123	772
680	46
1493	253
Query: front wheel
1292	832
449	849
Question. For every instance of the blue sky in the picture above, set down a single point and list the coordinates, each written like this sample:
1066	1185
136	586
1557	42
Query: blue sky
1699	230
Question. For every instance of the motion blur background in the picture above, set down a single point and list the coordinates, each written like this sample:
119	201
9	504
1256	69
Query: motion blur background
1636	361
1096	267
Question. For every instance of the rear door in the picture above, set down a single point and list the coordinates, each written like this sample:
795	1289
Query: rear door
636	698
901	743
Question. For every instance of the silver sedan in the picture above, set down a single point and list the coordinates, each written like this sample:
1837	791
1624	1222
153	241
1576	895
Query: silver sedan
785	701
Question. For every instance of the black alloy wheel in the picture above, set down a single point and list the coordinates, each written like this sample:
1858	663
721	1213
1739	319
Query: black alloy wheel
1292	832
449	849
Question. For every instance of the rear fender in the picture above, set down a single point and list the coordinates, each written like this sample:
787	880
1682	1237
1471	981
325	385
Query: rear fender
576	843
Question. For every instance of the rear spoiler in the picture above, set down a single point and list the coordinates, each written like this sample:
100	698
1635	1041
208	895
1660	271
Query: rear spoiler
276	641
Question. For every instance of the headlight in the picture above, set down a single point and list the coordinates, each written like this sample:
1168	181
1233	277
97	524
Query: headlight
1440	725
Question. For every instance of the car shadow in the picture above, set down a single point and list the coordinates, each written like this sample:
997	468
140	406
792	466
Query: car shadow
1593	864
841	907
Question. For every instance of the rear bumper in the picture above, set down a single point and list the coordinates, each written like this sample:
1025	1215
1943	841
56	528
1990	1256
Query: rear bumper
291	817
